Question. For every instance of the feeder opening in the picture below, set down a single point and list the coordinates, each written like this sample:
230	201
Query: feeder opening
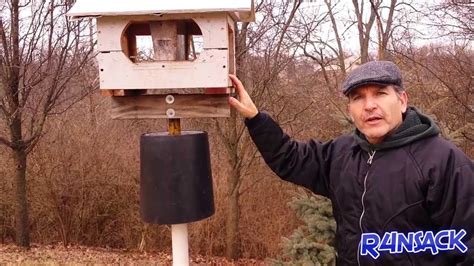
165	40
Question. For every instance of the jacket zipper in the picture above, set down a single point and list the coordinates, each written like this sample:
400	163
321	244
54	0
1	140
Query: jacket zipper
369	162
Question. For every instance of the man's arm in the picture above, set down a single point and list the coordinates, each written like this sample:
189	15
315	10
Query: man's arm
304	164
450	200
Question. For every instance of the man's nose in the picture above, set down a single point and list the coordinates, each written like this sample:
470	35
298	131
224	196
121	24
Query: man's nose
370	104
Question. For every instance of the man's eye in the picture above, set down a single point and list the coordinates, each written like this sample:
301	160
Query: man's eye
355	97
382	93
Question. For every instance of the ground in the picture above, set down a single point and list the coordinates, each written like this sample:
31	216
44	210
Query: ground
79	255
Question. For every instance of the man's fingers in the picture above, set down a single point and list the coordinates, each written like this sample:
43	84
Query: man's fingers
234	79
244	104
236	104
239	87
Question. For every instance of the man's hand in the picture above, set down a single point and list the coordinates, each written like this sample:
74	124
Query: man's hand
245	106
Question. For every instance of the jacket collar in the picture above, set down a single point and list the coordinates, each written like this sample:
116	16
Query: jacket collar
415	126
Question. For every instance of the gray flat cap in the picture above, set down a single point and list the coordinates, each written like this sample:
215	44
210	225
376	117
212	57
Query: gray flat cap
375	72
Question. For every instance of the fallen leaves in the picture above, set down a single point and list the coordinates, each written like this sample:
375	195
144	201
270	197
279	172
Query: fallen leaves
73	255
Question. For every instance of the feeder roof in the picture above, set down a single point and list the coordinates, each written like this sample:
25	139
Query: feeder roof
243	10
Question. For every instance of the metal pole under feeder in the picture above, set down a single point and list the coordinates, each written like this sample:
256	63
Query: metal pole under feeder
179	242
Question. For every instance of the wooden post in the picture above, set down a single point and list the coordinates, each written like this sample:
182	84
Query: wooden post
165	44
174	126
165	40
181	53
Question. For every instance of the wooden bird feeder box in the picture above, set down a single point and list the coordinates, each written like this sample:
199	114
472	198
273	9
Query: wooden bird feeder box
166	59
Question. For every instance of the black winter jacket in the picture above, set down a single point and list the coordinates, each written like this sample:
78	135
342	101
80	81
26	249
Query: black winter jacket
414	181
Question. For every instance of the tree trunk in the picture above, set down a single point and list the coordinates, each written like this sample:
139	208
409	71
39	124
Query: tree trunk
232	220
232	250
386	34
18	149
21	210
364	52
29	96
364	28
340	53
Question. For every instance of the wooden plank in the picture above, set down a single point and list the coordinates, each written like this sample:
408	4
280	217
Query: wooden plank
209	70
81	8
190	27
217	91
231	47
130	50
139	28
109	32
122	92
124	42
207	91
181	48
184	106
212	27
107	93
214	30
165	40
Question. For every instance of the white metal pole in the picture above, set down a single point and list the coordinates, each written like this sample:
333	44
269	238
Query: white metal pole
179	239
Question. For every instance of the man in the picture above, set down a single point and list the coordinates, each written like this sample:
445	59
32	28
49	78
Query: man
401	194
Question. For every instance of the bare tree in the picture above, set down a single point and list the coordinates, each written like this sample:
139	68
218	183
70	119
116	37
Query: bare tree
384	33
41	54
385	26
340	50
364	28
454	17
444	68
270	38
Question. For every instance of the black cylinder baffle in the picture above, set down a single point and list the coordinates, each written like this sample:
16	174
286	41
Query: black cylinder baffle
175	178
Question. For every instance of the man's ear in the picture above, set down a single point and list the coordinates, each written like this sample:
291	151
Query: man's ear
403	96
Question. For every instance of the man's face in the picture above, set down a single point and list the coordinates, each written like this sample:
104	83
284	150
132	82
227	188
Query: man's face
377	111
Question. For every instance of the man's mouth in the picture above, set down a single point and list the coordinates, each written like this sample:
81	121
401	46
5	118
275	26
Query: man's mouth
373	119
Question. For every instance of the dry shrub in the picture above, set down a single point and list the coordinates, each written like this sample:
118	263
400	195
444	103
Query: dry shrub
7	212
84	188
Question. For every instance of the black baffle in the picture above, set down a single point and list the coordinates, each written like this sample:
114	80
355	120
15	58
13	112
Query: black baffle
175	178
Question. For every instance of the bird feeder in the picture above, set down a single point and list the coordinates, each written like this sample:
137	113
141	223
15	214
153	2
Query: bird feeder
166	59
169	59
